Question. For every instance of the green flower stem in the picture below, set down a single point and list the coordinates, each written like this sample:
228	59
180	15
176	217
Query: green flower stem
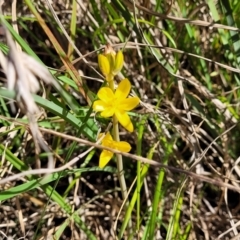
116	137
121	177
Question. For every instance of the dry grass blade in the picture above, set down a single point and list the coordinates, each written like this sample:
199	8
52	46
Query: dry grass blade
179	19
182	60
22	73
137	158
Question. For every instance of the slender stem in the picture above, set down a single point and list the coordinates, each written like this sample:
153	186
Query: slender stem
138	194
116	137
121	177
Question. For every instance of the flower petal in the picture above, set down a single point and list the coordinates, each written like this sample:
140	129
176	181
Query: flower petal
111	60
123	89
106	94
129	103
100	106
124	120
118	63
122	146
104	158
104	64
107	138
108	112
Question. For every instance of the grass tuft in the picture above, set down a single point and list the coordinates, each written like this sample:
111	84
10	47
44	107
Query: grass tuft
182	173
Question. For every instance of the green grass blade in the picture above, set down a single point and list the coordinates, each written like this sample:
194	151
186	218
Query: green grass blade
89	128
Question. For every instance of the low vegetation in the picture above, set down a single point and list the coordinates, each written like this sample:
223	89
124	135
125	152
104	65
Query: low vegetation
119	119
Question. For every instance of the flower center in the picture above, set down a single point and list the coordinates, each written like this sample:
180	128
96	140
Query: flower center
115	102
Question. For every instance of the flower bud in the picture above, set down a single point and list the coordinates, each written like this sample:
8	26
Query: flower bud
118	63
104	64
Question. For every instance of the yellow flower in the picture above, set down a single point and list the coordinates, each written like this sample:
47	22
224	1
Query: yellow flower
106	155
118	63
110	63
116	103
104	64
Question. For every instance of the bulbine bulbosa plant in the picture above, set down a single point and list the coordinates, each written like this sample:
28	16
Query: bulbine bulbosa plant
114	104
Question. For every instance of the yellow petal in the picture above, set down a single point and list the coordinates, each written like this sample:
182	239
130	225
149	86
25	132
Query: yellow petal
106	94
104	158
129	103
108	112
100	106
123	89
118	63
123	146
124	120
111	60
107	138
104	64
129	127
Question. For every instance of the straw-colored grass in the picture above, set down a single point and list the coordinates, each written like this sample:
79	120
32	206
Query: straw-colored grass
182	174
